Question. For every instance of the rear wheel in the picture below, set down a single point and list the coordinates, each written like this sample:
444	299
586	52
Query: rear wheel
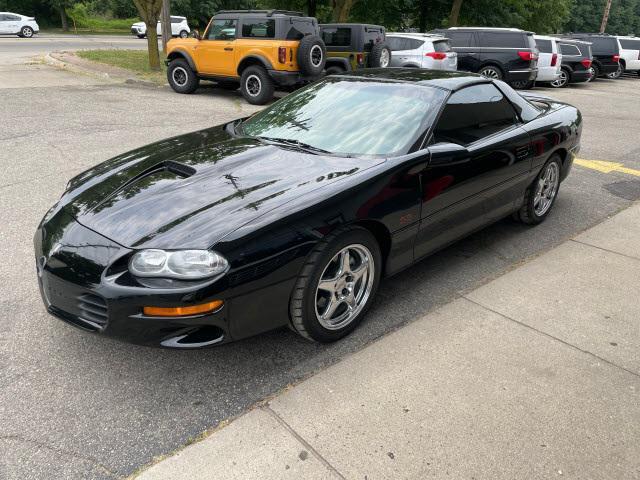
491	71
184	34
336	286
541	194
617	74
595	73
181	77
256	85
522	84
26	32
563	79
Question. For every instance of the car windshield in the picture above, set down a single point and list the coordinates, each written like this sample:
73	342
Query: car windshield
349	116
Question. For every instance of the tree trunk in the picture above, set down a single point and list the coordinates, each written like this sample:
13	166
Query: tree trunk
152	45
341	10
150	12
311	7
63	19
422	15
166	25
605	16
455	13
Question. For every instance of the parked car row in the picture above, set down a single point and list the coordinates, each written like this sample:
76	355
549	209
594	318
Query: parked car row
179	28
16	24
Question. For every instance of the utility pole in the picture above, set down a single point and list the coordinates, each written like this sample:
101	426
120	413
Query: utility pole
165	19
605	17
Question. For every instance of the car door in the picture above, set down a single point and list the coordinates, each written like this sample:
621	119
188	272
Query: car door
215	53
3	24
479	156
464	43
10	24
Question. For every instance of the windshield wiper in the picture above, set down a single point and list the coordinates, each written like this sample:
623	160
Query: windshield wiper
295	143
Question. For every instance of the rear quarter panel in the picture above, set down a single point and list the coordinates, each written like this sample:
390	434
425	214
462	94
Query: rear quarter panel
268	49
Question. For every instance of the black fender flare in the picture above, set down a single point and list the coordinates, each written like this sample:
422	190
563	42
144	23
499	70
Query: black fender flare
252	60
338	61
182	54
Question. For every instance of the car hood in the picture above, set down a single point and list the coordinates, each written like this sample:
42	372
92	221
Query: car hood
139	24
190	191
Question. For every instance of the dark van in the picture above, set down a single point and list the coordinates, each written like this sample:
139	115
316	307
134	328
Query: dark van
576	62
508	54
605	50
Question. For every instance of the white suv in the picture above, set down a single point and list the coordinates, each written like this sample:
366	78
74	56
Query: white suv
421	50
549	59
179	28
16	24
629	56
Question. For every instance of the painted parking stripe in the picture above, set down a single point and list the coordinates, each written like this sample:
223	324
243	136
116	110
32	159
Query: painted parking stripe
606	167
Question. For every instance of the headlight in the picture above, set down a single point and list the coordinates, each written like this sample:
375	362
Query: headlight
183	264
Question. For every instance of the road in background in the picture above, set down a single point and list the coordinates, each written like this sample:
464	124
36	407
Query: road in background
77	405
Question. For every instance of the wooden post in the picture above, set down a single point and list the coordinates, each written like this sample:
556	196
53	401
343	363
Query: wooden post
166	25
605	16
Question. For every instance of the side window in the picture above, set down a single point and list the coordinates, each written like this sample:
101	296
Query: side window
544	46
395	43
460	39
176	20
441	46
254	28
567	49
222	30
12	18
630	44
474	113
338	37
503	40
3	18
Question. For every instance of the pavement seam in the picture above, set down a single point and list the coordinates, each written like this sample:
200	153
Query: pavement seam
605	249
604	360
302	441
63	452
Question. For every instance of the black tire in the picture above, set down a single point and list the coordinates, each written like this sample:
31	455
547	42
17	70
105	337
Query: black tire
141	36
227	85
256	85
181	77
523	85
527	213
333	70
380	56
617	74
312	55
563	80
26	32
183	34
595	73
302	307
491	71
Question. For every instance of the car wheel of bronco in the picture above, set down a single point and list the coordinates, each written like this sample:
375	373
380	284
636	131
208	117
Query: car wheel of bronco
256	85
380	56
181	78
336	285
312	55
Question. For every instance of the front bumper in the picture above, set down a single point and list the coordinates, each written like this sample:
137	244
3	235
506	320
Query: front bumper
84	281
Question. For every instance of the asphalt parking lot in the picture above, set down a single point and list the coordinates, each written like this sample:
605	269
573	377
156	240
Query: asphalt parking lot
75	405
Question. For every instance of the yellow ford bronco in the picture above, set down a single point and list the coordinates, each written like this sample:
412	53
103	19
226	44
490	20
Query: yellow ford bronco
256	50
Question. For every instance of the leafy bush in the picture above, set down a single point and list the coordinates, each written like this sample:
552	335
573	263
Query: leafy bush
83	19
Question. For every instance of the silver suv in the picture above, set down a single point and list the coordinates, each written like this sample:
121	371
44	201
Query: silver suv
421	50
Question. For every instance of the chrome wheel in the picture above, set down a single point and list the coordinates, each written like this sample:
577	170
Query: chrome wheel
546	189
344	287
384	58
180	76
592	71
253	85
617	73
316	55
490	73
562	80
27	32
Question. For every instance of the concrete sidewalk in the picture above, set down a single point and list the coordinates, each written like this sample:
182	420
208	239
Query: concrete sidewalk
534	375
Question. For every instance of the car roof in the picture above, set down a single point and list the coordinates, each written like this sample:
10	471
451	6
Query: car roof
418	36
254	13
572	40
489	29
447	80
351	25
546	37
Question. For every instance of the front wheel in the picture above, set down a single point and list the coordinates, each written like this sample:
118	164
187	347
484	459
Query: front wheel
256	85
541	194
490	71
595	73
336	285
181	77
562	80
26	32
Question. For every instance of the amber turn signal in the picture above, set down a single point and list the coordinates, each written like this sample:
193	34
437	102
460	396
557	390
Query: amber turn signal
182	311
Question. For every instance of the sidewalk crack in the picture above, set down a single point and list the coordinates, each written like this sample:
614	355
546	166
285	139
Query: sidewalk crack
306	444
604	360
605	249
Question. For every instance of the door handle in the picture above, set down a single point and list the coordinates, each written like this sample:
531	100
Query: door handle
228	49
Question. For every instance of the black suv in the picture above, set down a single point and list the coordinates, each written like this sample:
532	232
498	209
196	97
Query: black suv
354	45
605	50
576	61
507	54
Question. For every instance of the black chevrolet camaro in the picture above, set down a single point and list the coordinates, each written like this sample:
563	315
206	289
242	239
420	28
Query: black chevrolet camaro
292	216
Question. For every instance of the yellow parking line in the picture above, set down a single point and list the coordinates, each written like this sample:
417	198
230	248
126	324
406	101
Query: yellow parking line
606	167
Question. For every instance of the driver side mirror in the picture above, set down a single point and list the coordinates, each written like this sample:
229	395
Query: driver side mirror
446	153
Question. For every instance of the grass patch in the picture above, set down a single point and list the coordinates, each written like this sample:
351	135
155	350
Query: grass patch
137	61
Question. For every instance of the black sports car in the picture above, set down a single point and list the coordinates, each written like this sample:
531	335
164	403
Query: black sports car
291	216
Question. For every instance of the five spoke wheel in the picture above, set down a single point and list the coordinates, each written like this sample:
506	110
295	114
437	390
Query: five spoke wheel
546	189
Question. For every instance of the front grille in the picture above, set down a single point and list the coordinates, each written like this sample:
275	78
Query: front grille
93	309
